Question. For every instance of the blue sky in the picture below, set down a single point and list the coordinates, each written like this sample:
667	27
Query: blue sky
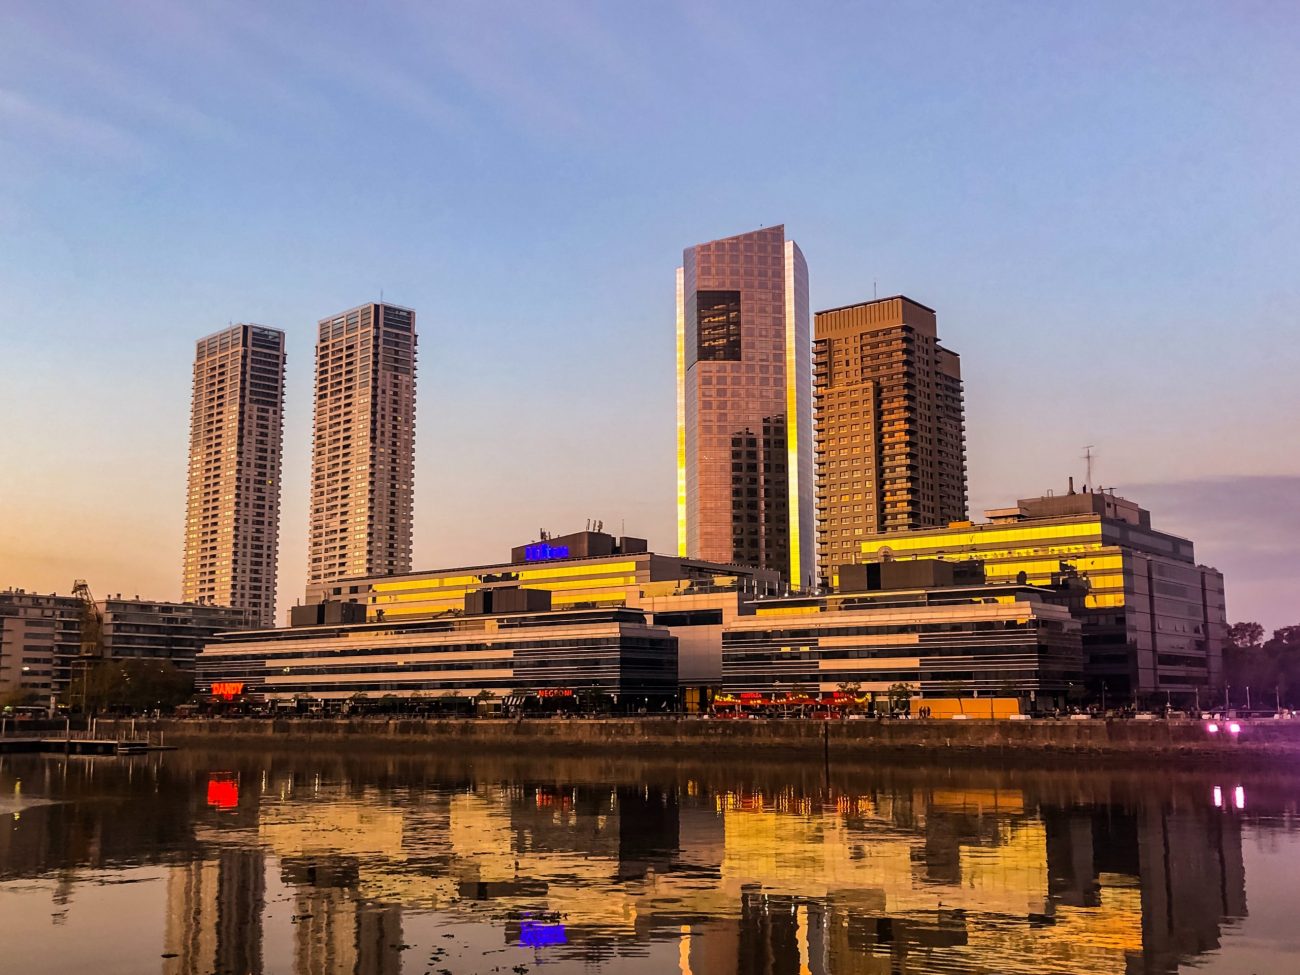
1099	199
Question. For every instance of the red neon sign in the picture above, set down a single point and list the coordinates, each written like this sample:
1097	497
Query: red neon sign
228	690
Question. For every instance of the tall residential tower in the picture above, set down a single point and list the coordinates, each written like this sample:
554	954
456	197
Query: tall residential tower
744	405
891	442
363	448
232	518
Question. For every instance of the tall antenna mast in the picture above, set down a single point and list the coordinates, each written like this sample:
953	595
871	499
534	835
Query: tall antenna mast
1087	456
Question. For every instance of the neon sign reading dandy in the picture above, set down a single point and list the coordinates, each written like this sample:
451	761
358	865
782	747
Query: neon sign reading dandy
541	551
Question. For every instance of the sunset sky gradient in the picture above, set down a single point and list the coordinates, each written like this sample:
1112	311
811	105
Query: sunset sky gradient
1100	200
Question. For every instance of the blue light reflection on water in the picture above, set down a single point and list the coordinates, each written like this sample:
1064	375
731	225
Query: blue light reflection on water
537	934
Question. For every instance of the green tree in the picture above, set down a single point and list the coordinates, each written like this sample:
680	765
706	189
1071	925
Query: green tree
1245	635
853	689
129	685
19	697
1270	668
900	695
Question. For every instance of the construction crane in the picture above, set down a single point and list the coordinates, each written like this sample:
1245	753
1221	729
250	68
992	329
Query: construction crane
92	621
92	635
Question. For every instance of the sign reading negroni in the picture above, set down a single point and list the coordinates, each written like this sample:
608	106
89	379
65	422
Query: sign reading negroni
555	692
227	690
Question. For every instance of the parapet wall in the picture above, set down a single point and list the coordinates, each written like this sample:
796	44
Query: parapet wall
1010	742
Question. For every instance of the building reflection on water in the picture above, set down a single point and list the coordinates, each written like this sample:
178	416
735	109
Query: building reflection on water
915	873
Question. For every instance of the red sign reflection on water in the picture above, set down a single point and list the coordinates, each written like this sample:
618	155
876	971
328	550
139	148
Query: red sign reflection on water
223	790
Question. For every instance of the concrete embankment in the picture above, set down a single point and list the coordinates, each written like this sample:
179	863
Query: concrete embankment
1118	742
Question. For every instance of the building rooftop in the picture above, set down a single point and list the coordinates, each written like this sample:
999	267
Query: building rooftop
497	567
235	325
444	622
876	301
747	233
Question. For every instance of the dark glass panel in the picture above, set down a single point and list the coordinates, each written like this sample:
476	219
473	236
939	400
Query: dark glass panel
718	317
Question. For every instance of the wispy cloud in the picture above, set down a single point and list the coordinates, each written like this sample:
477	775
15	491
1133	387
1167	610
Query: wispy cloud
547	68
60	48
80	132
326	56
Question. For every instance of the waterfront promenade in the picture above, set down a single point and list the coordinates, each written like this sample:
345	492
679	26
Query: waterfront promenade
1030	742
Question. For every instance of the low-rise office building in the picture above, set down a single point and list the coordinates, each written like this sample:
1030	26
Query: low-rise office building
941	641
582	570
145	629
41	636
658	630
1154	621
518	648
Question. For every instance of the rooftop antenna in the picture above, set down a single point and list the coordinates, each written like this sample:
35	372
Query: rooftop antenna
1087	456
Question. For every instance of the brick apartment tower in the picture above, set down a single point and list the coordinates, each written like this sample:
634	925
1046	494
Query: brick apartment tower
891	442
363	444
232	516
744	405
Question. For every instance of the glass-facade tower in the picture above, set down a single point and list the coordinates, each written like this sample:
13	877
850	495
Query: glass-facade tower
744	405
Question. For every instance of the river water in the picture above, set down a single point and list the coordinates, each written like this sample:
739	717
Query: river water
193	862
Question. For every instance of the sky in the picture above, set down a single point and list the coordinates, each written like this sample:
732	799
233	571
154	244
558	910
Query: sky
1099	199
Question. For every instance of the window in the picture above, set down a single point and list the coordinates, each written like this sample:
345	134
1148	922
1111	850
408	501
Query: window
718	332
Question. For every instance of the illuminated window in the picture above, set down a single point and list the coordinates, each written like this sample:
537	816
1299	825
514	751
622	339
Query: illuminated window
718	317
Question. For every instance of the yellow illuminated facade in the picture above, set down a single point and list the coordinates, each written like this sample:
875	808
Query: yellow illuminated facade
989	641
1154	620
681	416
798	405
581	583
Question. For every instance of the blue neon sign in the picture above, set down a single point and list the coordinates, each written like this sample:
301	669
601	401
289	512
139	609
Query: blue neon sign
541	551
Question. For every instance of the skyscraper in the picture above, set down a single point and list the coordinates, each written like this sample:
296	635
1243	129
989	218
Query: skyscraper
232	518
363	448
744	405
891	442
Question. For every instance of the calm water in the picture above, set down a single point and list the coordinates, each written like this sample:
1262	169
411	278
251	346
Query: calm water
195	862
